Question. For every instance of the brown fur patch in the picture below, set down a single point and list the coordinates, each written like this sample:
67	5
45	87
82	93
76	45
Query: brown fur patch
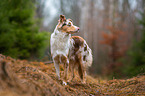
63	59
56	59
68	29
79	42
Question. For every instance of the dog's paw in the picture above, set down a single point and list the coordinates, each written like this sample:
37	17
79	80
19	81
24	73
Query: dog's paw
83	82
64	83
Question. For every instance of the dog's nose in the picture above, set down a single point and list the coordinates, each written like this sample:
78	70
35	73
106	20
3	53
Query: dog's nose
78	29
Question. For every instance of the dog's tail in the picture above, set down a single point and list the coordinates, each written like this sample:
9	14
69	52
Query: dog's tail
89	59
89	56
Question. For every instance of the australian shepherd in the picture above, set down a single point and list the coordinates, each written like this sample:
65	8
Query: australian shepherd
72	51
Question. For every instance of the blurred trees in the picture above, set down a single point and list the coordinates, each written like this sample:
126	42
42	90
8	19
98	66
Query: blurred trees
97	15
136	63
19	35
117	50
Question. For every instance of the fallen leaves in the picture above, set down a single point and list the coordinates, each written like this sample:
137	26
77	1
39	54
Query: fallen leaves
42	79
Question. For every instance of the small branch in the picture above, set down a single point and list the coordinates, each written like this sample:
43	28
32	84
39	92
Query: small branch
48	62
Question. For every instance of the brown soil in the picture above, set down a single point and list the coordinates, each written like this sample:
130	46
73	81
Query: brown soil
25	78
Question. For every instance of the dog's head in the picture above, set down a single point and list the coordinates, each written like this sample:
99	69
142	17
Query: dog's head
66	25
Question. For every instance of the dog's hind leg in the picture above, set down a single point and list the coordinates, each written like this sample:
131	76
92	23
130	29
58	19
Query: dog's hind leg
81	69
56	64
82	73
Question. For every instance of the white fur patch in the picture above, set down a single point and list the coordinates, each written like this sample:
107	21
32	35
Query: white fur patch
88	54
60	43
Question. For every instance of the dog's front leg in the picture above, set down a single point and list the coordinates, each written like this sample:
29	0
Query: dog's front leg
65	73
66	70
56	64
57	70
65	60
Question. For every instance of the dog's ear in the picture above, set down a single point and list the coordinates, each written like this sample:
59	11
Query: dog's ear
70	20
62	18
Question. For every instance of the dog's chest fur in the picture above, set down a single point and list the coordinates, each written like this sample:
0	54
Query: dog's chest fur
60	43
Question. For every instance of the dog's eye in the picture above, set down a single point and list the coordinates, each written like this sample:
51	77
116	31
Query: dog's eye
69	24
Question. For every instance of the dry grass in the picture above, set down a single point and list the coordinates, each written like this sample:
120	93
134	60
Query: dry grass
38	79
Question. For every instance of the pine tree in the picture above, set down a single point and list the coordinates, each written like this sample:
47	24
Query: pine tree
19	35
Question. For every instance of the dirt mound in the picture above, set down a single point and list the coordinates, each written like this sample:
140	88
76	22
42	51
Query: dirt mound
24	78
